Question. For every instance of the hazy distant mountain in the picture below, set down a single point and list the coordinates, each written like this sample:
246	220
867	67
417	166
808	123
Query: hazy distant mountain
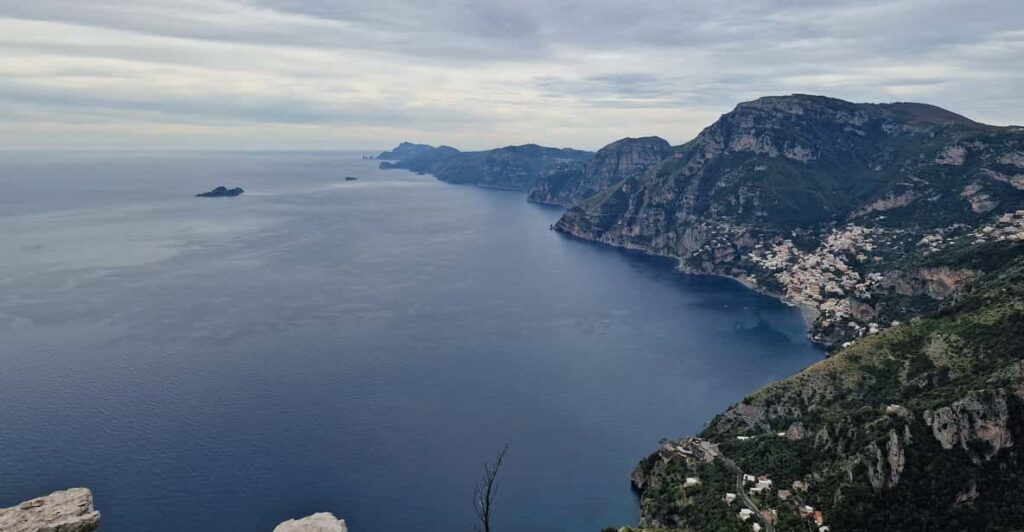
511	167
406	150
622	159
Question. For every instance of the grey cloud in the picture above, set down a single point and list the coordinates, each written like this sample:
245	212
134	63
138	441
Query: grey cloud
416	65
532	29
214	109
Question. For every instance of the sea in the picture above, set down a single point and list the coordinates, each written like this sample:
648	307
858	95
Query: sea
361	347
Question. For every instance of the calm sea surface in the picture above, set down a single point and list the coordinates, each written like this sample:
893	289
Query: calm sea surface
355	347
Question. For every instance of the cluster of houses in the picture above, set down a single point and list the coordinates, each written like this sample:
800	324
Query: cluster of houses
690	448
1009	226
824	279
760	486
808	512
745	514
698	449
937	241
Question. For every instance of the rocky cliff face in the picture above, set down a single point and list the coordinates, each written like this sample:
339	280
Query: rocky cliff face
511	167
817	199
917	427
623	159
61	511
979	424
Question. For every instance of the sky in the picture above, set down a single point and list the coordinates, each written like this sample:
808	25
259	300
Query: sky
366	74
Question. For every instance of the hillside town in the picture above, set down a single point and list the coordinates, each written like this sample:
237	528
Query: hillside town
760	501
836	283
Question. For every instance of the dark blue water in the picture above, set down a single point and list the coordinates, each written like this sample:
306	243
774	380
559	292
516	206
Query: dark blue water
354	347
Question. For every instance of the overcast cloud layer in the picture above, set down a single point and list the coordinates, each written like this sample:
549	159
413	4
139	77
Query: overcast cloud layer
476	73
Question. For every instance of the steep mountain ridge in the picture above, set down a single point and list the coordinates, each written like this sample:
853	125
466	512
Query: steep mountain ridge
817	199
900	229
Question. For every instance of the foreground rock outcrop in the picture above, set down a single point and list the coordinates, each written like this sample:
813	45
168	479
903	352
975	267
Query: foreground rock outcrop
319	522
72	511
61	511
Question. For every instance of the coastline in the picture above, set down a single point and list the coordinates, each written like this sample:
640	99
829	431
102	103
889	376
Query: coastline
807	312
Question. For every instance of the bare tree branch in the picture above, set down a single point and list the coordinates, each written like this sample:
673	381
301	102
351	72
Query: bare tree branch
486	490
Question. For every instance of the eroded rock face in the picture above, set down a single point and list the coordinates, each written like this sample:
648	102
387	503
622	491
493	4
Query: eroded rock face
953	155
61	511
889	461
941	283
796	431
937	283
978	418
886	203
980	200
319	522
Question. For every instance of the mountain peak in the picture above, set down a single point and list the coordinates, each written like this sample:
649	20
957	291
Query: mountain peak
911	113
923	113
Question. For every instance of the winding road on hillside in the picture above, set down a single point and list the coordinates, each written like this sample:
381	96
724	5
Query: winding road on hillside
743	494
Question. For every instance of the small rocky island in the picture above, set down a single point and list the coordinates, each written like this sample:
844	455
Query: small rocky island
350	178
221	192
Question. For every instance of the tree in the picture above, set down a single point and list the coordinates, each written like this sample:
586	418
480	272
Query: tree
486	490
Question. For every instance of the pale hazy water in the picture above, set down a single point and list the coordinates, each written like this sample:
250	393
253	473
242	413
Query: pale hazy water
354	347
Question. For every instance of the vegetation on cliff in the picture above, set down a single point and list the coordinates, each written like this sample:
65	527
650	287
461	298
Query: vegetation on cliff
917	428
823	201
902	227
